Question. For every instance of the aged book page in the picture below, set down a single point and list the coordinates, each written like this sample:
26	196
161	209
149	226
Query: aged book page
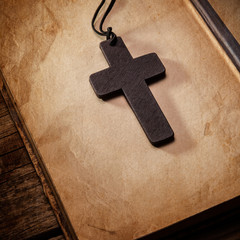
112	182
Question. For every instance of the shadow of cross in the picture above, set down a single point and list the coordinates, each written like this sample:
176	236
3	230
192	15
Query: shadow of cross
130	75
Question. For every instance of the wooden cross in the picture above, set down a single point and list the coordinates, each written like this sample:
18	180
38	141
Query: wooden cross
130	75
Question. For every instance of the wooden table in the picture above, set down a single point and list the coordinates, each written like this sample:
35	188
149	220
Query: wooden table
25	211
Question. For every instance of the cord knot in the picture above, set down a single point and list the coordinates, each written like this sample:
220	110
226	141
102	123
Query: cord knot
111	35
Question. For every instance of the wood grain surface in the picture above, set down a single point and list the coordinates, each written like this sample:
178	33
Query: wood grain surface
111	181
25	212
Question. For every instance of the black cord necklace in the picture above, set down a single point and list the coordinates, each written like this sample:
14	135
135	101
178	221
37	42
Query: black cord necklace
109	33
129	75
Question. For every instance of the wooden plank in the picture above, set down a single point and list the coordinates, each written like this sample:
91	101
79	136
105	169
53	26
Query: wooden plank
15	159
10	143
7	126
25	211
52	234
219	29
57	238
18	172
3	107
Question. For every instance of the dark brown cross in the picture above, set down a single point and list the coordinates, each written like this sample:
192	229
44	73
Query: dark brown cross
130	76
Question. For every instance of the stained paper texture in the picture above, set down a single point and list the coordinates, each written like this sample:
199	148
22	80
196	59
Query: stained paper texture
112	182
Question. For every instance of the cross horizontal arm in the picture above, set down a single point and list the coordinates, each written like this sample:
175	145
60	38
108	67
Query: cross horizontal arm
104	82
150	66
